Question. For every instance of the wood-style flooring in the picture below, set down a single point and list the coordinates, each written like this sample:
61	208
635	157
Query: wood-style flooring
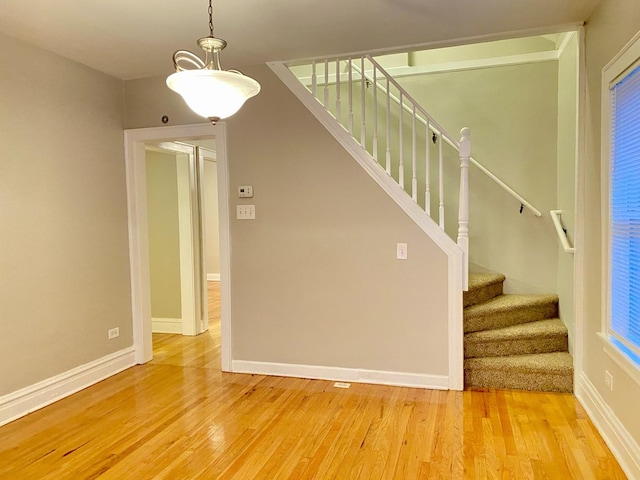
179	417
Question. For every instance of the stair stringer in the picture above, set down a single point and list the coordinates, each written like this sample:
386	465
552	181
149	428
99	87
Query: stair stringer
454	253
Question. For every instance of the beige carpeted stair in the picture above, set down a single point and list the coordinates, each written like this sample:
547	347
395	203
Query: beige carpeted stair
514	341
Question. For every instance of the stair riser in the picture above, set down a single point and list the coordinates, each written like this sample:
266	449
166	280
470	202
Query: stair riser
524	314
515	347
482	294
562	383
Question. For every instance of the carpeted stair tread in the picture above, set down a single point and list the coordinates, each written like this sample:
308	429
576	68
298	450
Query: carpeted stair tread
507	310
543	336
483	287
557	362
552	372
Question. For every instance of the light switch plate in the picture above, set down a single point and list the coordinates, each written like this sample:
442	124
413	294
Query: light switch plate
401	251
245	212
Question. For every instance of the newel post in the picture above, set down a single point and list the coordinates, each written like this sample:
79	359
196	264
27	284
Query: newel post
463	205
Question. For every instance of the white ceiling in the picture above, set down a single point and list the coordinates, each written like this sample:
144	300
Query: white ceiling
136	38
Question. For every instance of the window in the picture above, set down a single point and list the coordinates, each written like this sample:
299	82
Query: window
621	79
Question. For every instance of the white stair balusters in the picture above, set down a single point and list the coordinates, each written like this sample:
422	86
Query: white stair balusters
350	73
421	116
363	130
375	116
395	104
338	102
414	163
388	153
427	170
314	80
326	84
441	183
401	145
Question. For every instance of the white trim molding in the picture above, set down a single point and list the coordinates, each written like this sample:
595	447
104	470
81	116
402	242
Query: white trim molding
355	375
580	218
213	277
491	37
619	440
34	397
623	361
187	233
623	64
166	325
459	66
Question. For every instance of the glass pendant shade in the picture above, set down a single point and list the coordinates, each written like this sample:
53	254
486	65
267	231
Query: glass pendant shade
213	94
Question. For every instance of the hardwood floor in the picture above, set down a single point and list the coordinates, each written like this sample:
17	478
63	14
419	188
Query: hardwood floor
179	417
202	351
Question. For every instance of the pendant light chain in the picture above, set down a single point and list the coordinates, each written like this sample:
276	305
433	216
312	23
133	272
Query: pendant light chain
210	19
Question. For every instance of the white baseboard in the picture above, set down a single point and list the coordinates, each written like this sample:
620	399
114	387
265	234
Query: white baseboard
213	277
34	397
621	443
166	325
400	379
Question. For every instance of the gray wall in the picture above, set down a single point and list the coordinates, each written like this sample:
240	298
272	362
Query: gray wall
610	27
63	216
314	277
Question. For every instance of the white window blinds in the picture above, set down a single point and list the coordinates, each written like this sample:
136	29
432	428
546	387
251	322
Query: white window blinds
625	212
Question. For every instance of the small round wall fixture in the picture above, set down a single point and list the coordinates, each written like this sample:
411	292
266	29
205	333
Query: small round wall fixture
208	90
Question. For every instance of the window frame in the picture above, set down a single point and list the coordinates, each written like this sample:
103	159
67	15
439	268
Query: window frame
623	64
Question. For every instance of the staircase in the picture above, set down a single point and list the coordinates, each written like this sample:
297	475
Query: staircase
514	341
510	341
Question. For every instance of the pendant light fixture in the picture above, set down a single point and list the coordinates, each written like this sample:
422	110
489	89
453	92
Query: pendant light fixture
209	91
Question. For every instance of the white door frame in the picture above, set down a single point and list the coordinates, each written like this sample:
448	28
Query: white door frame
188	234
205	155
135	140
190	319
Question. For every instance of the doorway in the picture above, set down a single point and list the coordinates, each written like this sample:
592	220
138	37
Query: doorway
176	221
136	142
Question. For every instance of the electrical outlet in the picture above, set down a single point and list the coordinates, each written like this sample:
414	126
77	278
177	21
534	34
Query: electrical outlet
608	379
114	333
401	251
245	212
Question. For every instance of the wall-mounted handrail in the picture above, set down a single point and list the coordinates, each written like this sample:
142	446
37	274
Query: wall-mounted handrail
438	130
562	234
